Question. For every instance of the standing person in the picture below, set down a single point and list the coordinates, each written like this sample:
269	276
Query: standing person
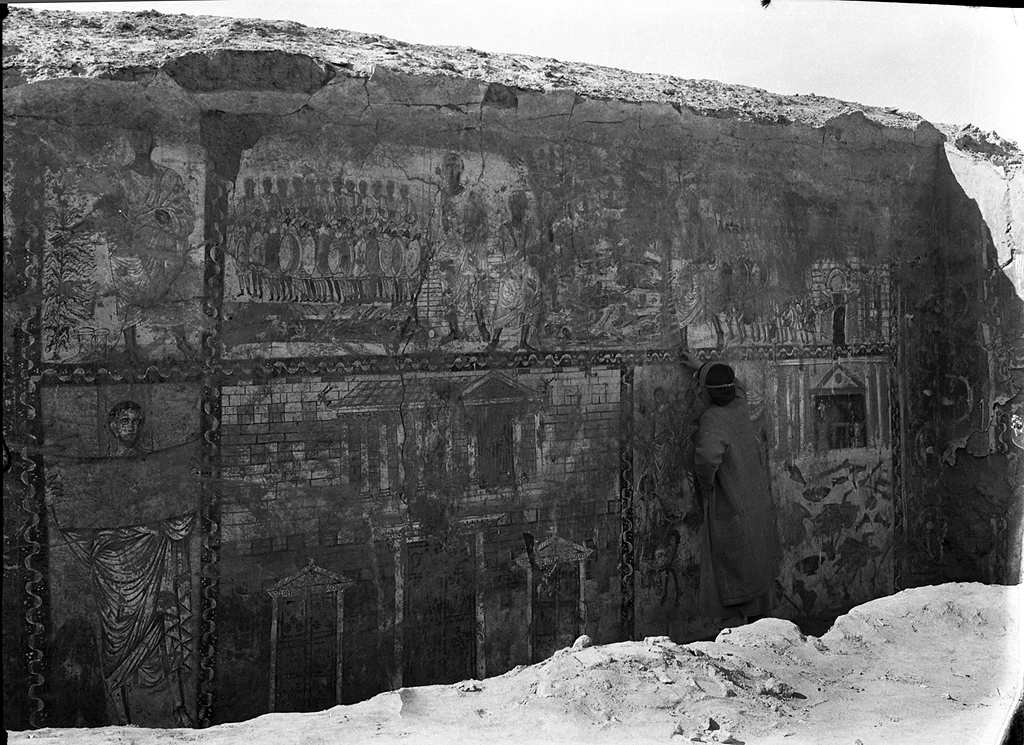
740	549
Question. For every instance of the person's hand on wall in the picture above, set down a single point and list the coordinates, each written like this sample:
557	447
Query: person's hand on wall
689	359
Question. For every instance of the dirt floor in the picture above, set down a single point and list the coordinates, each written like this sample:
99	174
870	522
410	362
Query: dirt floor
930	665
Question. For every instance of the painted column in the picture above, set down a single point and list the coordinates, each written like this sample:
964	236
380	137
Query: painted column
397	546
339	633
273	652
583	598
481	628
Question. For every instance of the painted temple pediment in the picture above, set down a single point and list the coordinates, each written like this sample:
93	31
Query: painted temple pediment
413	393
555	550
308	580
386	395
496	388
839	380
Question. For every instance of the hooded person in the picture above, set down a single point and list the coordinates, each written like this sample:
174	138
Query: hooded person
740	549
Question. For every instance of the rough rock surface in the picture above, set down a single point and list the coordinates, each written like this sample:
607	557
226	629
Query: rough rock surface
929	665
991	171
132	45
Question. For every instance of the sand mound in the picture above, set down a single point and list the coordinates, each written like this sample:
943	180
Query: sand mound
929	665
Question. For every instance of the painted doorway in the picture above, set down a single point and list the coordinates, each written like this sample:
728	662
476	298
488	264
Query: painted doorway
307	653
556	609
556	599
440	612
306	640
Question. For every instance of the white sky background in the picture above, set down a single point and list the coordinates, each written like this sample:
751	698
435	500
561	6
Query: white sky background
948	64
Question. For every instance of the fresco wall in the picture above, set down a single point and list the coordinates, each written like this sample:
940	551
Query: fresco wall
473	515
124	551
825	432
383	390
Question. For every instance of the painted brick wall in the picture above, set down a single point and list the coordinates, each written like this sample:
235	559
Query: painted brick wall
320	468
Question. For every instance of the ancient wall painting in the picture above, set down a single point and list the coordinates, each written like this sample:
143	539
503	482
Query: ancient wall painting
832	477
823	429
378	530
340	247
306	633
123	258
404	249
556	600
122	488
741	303
427	512
417	488
423	442
666	513
440	623
963	334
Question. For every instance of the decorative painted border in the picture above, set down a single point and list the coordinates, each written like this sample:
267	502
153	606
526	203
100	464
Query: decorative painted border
209	510
82	374
28	408
214	235
35	539
627	581
99	374
897	407
899	507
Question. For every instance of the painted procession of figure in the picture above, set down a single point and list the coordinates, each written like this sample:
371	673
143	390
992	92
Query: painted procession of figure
740	550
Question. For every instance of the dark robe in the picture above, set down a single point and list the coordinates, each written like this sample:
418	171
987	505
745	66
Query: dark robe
740	542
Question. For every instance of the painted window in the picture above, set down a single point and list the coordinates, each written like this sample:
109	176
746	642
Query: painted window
840	421
495	447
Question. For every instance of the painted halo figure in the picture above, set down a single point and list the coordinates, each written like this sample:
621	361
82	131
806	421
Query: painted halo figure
740	549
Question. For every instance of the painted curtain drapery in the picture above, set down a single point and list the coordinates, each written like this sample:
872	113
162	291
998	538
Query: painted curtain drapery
142	581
